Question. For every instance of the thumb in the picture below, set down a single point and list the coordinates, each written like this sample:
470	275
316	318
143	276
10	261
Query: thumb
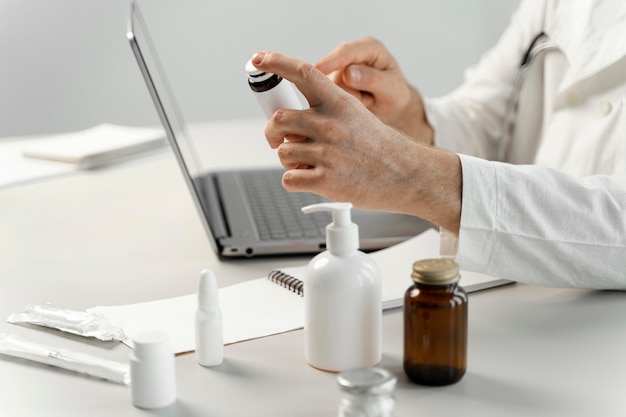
364	78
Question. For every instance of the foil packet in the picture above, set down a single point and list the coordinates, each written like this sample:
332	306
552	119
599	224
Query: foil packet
82	323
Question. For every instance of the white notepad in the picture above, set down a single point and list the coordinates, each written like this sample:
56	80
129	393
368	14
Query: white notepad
261	307
97	146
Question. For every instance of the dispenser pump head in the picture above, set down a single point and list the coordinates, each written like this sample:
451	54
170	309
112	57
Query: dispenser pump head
342	236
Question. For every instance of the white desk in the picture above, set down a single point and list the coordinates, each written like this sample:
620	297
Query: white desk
129	233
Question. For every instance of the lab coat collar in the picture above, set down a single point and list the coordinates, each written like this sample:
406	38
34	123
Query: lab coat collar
591	35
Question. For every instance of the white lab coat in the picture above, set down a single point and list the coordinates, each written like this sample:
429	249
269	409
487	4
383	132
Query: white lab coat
561	221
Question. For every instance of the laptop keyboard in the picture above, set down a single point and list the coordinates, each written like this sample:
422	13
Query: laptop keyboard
277	212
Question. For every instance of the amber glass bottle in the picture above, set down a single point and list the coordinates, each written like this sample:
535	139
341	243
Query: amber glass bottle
435	324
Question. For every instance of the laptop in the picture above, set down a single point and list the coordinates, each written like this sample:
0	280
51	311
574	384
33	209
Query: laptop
247	212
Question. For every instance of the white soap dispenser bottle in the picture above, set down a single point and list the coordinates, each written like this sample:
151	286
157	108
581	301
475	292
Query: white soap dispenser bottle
209	333
342	299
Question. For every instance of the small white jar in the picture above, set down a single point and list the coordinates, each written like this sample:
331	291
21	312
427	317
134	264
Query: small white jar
152	371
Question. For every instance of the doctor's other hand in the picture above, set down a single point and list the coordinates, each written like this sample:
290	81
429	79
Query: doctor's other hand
367	70
339	149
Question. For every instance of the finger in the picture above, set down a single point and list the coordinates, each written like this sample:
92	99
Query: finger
368	50
338	78
303	180
295	138
314	85
285	124
368	100
369	82
364	78
298	154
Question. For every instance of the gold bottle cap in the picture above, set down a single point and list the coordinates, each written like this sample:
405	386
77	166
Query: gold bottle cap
435	271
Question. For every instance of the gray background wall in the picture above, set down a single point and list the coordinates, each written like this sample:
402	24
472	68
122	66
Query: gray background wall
66	65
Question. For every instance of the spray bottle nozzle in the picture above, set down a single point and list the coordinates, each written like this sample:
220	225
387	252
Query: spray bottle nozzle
342	236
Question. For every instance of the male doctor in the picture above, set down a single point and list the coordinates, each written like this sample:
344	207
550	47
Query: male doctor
377	143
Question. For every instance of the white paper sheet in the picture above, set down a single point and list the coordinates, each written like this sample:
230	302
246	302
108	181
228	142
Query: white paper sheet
250	310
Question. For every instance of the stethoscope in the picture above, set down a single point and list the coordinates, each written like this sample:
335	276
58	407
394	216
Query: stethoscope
539	45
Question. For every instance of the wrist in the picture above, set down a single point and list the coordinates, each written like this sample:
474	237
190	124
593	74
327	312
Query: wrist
439	188
413	121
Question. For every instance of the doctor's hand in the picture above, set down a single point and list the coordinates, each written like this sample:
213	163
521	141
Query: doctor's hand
367	70
338	149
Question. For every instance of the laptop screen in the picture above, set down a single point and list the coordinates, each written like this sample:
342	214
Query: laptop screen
169	113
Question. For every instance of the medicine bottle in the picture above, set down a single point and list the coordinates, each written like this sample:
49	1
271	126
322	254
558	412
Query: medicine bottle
208	322
152	371
366	392
435	324
272	91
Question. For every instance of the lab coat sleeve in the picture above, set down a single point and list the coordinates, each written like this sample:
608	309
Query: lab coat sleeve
470	119
540	226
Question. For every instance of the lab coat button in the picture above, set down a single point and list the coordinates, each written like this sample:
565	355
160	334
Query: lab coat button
605	107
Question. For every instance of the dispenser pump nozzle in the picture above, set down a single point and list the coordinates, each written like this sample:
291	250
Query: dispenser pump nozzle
342	236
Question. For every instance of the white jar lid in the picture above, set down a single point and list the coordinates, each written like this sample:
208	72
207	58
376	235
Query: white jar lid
152	344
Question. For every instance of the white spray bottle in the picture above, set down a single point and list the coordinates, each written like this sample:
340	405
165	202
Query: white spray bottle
209	333
342	299
272	91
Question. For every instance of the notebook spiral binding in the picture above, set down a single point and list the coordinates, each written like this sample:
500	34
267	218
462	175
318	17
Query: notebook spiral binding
287	281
